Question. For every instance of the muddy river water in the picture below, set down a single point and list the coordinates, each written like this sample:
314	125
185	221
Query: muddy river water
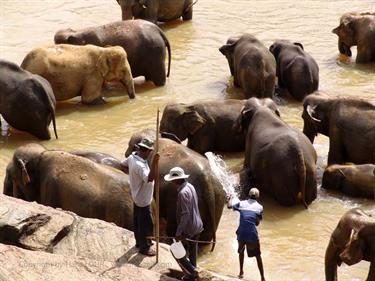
293	239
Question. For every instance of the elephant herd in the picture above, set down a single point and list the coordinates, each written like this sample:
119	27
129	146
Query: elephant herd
278	159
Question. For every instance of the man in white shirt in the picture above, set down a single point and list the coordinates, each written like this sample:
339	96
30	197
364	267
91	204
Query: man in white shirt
141	179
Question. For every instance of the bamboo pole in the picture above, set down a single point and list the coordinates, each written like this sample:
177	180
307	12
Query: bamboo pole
157	189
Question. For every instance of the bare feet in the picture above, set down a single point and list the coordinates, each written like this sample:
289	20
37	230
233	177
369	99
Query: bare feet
240	275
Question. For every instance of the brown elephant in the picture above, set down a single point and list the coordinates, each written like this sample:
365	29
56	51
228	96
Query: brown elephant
357	29
280	158
354	180
211	195
252	65
352	240
73	183
80	70
347	122
143	41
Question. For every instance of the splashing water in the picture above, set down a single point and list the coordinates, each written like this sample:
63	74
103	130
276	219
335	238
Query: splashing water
227	179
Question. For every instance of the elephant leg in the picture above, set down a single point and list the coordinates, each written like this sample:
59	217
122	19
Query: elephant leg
371	273
91	93
336	154
188	13
157	74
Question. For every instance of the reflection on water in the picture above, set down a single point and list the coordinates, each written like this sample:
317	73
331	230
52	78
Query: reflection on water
293	240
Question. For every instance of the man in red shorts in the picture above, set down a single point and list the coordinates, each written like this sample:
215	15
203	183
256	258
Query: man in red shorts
250	215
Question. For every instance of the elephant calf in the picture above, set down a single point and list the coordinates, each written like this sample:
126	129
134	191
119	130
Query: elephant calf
80	70
27	101
296	70
352	240
354	180
252	65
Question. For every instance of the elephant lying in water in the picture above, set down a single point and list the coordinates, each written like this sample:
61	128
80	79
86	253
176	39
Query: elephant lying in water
143	41
352	240
27	101
357	29
211	195
80	70
354	180
280	157
347	122
62	180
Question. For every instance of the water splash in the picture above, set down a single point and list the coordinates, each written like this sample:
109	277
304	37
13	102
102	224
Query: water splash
4	127
227	179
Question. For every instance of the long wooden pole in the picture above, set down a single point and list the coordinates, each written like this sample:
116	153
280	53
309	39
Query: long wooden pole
157	189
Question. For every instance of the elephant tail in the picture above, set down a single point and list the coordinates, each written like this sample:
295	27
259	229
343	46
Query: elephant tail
302	176
166	41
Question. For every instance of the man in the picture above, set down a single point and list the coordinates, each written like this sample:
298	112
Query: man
141	179
250	215
189	222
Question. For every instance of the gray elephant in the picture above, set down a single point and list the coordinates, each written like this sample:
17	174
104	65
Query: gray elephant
354	180
357	29
100	158
211	195
63	180
143	41
296	70
27	101
352	240
156	10
281	158
80	70
252	65
347	122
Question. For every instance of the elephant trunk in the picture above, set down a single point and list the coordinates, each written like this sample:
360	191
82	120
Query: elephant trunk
344	49
331	262
126	12
309	133
128	82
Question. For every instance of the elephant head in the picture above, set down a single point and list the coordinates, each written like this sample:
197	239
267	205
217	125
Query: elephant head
346	32
333	177
71	36
132	8
181	120
316	114
228	50
279	45
113	65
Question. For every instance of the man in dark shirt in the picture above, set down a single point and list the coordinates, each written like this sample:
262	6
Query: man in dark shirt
189	222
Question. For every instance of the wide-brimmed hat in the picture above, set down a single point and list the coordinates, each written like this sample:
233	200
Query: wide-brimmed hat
254	192
145	143
175	174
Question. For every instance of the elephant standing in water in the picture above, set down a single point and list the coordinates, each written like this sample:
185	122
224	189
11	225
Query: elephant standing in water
354	180
357	29
62	180
296	70
281	158
352	240
143	41
27	101
348	123
211	195
80	70
156	10
252	65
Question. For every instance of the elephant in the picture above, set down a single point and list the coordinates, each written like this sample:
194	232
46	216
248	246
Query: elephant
143	41
296	70
156	10
27	101
211	195
354	180
280	158
357	29
62	180
80	70
347	122
351	241
252	65
100	158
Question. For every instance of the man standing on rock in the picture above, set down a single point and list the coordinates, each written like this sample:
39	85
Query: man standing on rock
189	222
141	179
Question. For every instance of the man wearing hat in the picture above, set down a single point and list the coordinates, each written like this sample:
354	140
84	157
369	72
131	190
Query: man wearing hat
250	215
189	222
141	179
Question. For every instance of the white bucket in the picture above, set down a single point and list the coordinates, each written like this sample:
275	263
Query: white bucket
178	249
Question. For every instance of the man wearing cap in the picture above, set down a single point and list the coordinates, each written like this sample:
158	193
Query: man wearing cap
189	222
251	213
141	179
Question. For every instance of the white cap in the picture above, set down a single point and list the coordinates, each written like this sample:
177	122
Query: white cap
175	174
254	192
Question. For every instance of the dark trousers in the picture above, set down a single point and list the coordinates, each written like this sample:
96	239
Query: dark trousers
192	249
143	227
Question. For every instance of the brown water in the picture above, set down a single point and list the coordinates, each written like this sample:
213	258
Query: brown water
293	240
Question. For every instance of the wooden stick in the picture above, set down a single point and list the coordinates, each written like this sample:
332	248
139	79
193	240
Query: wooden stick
157	189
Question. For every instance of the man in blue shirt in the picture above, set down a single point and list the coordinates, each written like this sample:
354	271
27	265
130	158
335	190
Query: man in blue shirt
250	215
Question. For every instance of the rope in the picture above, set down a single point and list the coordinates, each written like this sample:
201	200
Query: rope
187	239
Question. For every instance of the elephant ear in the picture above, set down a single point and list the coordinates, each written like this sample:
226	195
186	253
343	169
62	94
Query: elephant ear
275	49
228	48
299	45
243	121
24	174
192	121
103	65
